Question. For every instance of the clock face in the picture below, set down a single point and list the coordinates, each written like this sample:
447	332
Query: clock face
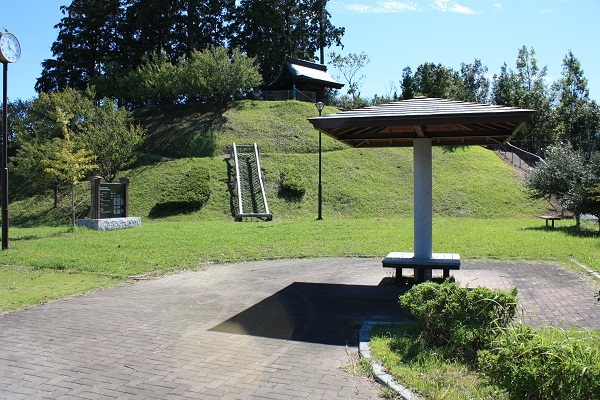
10	49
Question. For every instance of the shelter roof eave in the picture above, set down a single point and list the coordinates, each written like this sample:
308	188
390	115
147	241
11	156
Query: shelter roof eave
446	122
306	72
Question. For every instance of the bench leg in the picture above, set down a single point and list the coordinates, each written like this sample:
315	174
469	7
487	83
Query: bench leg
419	275
398	273
446	274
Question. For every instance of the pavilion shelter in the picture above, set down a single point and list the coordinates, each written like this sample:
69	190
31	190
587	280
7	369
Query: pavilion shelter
302	80
422	123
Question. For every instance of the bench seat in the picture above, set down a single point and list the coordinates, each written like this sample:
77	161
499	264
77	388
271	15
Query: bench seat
550	218
443	261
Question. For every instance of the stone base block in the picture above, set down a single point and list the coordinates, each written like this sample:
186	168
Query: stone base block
110	224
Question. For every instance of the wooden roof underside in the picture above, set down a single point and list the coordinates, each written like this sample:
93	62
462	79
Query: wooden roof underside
446	122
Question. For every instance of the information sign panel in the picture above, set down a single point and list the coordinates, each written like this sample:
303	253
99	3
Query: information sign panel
112	200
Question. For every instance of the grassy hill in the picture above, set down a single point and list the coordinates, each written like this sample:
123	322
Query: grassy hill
468	182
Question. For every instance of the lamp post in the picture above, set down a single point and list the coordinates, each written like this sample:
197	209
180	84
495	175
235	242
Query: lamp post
320	106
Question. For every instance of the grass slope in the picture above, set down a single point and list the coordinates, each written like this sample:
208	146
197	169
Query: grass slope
367	206
469	182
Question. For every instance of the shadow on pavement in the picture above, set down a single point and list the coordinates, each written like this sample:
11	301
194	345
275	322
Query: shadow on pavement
318	312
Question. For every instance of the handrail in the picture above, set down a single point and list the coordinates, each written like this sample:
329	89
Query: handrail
260	179
526	152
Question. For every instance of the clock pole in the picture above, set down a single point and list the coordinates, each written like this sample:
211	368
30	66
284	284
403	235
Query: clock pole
10	52
4	156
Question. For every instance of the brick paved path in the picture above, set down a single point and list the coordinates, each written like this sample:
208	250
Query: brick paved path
263	330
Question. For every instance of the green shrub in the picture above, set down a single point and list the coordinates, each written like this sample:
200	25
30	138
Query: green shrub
552	364
466	320
189	192
292	183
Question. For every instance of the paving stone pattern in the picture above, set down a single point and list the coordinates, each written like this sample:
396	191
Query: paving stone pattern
261	330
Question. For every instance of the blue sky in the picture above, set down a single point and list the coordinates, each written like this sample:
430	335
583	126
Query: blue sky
393	33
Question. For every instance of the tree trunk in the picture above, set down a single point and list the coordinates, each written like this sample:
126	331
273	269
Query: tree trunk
55	190
73	205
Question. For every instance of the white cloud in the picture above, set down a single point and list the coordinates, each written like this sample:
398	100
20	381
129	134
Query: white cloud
498	6
453	7
382	7
548	11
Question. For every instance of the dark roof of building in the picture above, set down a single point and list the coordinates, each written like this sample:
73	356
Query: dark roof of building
446	122
306	72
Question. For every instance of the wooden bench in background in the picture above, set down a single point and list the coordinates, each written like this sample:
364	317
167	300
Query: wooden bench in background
550	218
443	261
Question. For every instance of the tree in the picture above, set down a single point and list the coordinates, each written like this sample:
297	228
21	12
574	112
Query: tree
101	40
408	84
203	24
434	80
271	30
533	92
86	43
105	130
473	84
349	66
505	88
578	117
218	76
36	131
156	81
526	88
112	138
564	175
69	164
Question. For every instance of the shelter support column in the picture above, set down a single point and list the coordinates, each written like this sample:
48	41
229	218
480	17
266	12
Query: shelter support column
423	204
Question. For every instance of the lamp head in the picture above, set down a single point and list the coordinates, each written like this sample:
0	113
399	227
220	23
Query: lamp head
320	106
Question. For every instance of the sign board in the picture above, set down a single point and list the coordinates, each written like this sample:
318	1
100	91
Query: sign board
112	200
109	200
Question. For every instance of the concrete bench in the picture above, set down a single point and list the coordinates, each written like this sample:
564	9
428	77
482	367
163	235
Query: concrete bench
443	261
550	218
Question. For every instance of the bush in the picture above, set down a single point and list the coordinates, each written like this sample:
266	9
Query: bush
188	193
466	320
292	184
554	364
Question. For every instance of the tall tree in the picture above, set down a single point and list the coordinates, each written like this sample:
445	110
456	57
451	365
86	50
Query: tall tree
271	30
86	43
349	66
434	80
578	116
505	88
203	24
408	84
148	28
526	87
473	84
103	40
534	94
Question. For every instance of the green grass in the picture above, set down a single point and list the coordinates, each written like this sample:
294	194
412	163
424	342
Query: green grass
427	369
165	246
481	209
435	373
25	286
